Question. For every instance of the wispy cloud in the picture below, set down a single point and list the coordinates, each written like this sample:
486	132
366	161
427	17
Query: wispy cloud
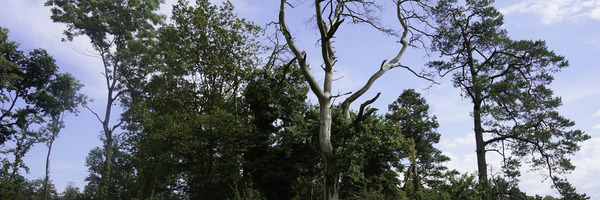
555	11
459	142
597	113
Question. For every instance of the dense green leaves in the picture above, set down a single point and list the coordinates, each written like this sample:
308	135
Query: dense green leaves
411	112
104	21
122	184
29	85
111	26
188	125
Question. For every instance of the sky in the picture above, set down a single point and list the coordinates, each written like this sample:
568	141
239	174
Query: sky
570	28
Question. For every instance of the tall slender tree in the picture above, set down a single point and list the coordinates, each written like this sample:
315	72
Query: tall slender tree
34	97
64	97
110	26
514	111
329	16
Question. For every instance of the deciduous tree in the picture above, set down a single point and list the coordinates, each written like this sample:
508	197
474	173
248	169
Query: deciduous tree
34	97
187	119
62	96
110	26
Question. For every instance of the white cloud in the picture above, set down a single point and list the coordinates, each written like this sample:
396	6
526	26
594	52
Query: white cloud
595	14
597	126
466	163
533	183
554	11
597	113
587	161
583	177
458	143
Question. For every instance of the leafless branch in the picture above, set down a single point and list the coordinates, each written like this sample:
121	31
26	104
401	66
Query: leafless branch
363	115
420	75
300	55
95	114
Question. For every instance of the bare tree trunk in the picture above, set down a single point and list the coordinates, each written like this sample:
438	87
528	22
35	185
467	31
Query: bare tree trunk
329	158
47	177
55	127
111	78
480	150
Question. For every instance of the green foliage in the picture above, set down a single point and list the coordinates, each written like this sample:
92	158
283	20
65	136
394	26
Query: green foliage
204	122
105	20
503	189
71	193
17	188
411	112
110	26
187	122
34	97
463	187
31	88
247	193
368	153
281	160
122	184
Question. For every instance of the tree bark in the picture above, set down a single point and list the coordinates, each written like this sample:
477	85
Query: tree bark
329	158
111	83
480	150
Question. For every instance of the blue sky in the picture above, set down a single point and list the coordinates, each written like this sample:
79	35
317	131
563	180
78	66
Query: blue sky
570	28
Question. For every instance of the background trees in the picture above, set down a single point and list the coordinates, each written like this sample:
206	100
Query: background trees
411	112
211	120
35	97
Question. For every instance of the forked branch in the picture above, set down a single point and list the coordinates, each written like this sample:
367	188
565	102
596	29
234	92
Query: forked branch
385	66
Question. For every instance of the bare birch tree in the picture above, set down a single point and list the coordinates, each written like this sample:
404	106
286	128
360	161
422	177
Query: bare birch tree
330	15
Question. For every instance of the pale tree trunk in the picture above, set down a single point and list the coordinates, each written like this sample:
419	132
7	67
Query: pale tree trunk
111	77
47	178
55	126
329	158
54	131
